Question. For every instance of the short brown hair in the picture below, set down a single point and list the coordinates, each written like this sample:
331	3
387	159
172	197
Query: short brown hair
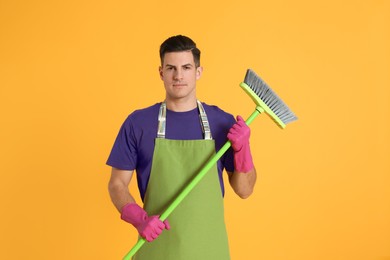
180	43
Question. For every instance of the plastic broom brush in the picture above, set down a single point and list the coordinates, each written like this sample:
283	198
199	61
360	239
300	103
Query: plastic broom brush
266	101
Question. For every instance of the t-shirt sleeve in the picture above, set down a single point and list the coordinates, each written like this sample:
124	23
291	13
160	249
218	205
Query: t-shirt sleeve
124	151
228	160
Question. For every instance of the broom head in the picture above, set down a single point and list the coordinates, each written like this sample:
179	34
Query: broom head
267	100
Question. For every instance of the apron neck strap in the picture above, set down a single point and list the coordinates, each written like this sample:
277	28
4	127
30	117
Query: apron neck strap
162	118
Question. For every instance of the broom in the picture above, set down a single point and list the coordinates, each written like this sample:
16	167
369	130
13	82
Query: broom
266	101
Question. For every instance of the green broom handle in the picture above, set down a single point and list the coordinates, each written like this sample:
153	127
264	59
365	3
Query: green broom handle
213	160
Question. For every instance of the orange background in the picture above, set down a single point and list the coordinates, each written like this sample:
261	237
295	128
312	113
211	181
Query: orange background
71	71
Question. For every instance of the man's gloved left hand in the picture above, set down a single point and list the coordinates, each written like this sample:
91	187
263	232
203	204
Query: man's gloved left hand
239	135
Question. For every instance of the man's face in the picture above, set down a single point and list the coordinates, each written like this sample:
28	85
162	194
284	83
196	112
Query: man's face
180	74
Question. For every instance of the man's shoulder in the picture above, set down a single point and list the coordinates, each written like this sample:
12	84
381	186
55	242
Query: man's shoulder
142	117
214	110
144	113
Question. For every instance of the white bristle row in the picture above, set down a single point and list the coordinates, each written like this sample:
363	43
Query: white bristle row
265	93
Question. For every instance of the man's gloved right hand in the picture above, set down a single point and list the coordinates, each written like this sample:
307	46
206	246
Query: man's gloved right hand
148	227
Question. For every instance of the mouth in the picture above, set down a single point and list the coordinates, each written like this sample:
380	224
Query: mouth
179	85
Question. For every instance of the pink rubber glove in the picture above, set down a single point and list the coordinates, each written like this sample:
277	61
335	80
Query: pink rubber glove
148	227
239	137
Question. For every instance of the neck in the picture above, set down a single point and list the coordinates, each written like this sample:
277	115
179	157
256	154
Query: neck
181	105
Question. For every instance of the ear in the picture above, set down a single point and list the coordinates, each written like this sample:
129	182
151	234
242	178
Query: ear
160	71
199	71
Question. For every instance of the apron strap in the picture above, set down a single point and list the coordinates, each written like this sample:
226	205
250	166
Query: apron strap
162	118
205	122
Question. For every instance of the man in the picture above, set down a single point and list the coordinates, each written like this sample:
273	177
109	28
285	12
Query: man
166	144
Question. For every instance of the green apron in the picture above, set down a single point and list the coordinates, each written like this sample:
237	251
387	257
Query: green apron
198	229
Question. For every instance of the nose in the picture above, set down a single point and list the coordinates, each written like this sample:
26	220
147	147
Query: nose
178	75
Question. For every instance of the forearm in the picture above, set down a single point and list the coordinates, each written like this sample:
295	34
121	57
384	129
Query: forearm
119	193
244	177
120	196
243	183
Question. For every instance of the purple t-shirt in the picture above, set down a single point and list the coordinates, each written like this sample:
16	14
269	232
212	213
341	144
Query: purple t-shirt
134	146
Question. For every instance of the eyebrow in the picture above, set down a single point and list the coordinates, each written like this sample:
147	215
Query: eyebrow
188	64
